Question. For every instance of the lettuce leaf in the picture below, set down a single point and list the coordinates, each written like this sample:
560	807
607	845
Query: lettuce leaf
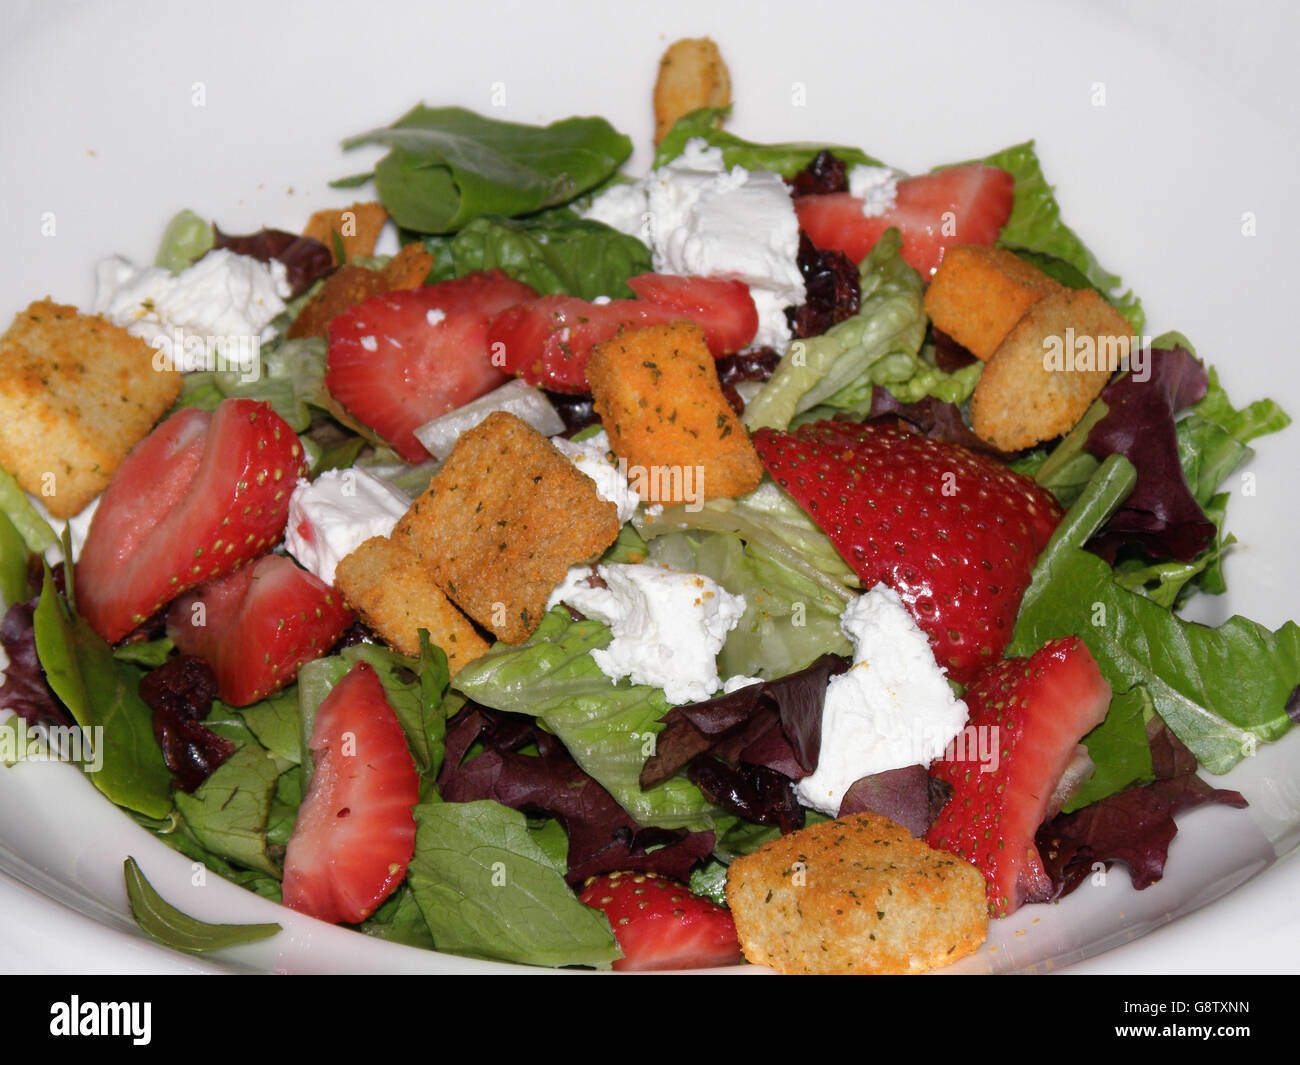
608	728
1035	226
447	166
785	159
878	344
554	252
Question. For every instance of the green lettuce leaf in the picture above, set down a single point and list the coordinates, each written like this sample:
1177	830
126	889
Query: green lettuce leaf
878	343
605	726
178	930
185	240
228	812
1221	690
785	159
555	252
1119	749
14	555
487	890
1035	226
447	166
15	505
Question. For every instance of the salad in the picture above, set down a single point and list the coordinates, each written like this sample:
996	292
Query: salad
495	724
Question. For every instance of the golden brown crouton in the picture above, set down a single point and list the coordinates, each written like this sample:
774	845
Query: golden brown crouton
656	390
692	75
978	294
346	286
392	591
856	895
76	394
1048	369
503	520
357	227
408	268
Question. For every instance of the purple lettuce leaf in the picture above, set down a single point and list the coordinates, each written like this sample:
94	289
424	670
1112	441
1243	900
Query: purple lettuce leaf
603	838
305	260
908	796
1160	514
1135	826
754	792
931	417
25	691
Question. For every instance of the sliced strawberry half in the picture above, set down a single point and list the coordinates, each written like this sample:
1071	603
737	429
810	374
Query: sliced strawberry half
659	924
547	341
959	205
198	497
355	834
954	533
400	360
1033	711
256	626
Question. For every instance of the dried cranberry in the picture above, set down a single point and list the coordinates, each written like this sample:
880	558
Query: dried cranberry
833	292
180	693
825	173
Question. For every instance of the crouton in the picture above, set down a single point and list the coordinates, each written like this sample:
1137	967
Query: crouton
503	520
408	268
856	895
357	227
692	75
392	591
1048	369
656	390
978	293
76	394
345	287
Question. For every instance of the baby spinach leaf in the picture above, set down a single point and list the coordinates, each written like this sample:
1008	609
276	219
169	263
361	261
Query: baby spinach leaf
103	696
447	165
785	159
229	811
488	890
165	923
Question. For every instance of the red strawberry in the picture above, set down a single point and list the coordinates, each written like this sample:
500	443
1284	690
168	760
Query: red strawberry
197	498
954	533
960	205
355	834
659	924
401	359
547	341
256	626
1035	711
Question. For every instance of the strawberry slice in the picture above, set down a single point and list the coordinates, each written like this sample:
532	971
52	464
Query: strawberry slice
256	626
960	205
355	834
954	533
399	360
659	924
198	497
1035	711
547	341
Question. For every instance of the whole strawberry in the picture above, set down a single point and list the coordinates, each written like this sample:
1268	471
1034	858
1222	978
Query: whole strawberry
1027	716
954	533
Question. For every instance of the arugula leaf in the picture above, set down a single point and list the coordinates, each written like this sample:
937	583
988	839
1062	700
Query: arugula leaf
15	505
603	725
165	923
555	252
228	812
447	166
1221	690
13	564
487	890
103	697
785	159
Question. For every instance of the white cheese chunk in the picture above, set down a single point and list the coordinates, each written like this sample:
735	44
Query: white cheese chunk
332	516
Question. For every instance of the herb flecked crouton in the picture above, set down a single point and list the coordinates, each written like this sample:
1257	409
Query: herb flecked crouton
503	520
1049	369
76	394
357	228
392	591
855	895
979	293
692	74
350	285
656	391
